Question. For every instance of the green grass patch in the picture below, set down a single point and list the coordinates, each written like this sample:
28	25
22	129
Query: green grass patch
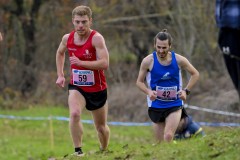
37	140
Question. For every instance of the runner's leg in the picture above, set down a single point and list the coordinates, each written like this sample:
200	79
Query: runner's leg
171	124
76	103
159	131
100	121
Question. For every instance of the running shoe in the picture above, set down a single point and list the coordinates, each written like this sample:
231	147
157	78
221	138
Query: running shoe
79	154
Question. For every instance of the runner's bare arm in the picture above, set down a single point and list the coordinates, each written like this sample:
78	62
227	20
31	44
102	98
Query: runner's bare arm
60	59
144	68
1	38
186	65
60	55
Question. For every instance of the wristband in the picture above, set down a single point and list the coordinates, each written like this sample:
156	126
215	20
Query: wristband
187	91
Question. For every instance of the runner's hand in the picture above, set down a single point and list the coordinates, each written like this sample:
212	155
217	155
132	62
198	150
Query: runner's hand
182	95
152	95
74	60
60	81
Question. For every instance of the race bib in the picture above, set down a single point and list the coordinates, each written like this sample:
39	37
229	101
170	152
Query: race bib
166	93
83	77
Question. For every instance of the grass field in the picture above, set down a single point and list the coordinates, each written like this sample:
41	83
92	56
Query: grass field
50	140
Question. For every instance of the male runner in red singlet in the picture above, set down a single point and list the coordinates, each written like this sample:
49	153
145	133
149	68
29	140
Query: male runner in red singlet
87	88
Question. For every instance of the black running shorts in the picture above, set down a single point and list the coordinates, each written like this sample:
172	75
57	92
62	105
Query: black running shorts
94	100
160	114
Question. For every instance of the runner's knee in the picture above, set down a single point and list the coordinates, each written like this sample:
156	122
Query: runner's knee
168	136
75	115
101	129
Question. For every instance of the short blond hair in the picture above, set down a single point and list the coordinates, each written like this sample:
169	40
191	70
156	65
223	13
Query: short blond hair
82	11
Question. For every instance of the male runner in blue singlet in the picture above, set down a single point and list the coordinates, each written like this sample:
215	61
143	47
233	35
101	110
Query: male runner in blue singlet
165	94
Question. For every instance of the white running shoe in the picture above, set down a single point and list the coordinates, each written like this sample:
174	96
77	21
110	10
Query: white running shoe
79	154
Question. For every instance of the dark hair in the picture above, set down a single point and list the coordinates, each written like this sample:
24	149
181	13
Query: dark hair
163	35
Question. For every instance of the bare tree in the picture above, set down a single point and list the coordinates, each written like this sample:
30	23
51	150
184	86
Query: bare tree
24	15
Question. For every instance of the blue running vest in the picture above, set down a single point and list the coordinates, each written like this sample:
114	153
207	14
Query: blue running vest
167	81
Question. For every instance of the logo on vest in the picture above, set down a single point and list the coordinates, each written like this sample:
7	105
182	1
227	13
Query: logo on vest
226	50
166	76
72	49
87	54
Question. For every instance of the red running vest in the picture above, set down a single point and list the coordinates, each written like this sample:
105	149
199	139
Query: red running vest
86	79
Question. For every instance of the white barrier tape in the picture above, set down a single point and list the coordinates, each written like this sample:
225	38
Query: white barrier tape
220	124
212	124
212	111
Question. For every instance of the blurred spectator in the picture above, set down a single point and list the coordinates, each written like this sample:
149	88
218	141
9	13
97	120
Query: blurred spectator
227	16
188	128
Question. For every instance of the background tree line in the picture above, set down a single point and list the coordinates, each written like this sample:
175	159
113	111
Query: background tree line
32	31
